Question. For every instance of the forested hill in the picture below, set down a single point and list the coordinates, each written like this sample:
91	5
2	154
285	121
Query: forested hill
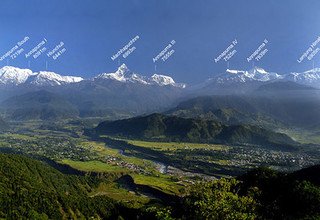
30	189
158	127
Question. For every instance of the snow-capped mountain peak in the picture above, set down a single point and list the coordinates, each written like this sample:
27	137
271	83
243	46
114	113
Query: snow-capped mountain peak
138	78
15	76
313	71
253	71
310	77
260	74
162	80
45	78
242	76
119	75
123	74
259	70
123	69
10	75
231	71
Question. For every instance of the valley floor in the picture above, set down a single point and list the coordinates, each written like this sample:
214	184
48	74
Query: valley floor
143	172
165	166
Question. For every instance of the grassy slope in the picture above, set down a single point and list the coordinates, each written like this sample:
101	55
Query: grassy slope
29	188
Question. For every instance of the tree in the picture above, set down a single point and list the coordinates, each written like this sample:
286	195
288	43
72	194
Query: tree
219	200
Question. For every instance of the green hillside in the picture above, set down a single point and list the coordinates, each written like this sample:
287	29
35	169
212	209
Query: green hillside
260	194
158	127
32	190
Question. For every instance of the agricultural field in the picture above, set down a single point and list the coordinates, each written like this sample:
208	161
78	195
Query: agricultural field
169	167
138	173
83	154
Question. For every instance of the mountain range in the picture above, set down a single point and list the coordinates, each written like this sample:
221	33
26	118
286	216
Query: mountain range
257	74
123	74
15	76
249	81
124	93
39	105
267	111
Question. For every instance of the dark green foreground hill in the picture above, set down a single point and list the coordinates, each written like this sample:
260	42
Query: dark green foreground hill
30	189
260	194
158	127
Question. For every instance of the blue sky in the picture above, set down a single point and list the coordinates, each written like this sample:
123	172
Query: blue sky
93	31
